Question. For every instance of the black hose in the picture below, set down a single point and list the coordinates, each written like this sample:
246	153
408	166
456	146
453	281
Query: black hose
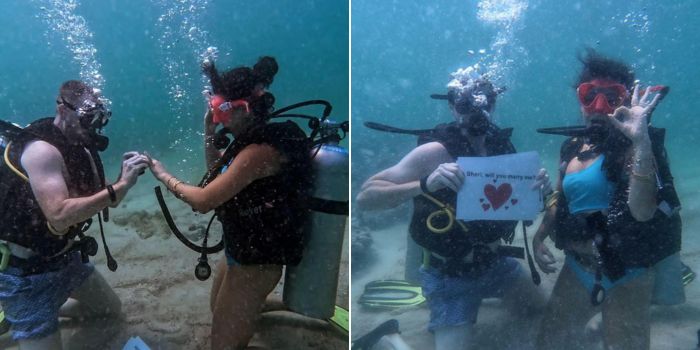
367	341
111	263
169	219
533	270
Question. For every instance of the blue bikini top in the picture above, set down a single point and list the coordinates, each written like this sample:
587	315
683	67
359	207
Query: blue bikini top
588	189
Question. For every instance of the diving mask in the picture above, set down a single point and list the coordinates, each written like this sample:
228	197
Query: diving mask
95	119
470	102
473	107
222	108
601	96
92	116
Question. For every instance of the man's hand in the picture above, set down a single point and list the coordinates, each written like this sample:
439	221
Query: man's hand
133	165
446	175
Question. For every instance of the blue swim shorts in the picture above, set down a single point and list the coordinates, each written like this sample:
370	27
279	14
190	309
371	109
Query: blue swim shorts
455	301
31	303
587	278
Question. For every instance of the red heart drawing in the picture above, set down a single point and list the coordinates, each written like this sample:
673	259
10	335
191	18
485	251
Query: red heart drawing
498	196
486	206
513	201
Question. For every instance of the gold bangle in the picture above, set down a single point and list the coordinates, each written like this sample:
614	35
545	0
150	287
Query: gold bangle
176	184
552	199
167	183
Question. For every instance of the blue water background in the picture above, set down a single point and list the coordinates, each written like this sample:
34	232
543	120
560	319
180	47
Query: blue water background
308	38
402	51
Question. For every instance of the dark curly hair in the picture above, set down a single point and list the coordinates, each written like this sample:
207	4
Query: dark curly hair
240	83
597	66
615	146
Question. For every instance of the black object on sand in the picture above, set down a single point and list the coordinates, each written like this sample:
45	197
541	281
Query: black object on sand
368	340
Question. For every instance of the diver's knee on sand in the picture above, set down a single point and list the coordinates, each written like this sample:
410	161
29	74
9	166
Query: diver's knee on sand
95	297
52	341
219	273
524	298
453	337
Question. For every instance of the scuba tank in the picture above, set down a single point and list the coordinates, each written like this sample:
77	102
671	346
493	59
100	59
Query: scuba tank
310	288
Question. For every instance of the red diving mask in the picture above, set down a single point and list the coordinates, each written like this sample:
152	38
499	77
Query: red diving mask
601	97
222	108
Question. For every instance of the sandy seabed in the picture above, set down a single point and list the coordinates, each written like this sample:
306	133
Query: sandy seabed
672	328
162	301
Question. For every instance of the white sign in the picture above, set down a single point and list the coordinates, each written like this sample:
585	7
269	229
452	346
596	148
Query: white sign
499	188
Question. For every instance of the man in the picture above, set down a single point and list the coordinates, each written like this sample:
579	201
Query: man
58	186
463	265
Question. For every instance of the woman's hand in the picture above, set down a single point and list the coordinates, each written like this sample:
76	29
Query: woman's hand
209	125
157	169
542	183
543	256
632	121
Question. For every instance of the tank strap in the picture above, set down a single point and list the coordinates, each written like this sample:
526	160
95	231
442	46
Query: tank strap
329	206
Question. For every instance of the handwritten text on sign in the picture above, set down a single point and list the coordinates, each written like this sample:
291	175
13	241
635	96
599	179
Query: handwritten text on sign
499	188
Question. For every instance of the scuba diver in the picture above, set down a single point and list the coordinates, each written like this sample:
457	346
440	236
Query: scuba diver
52	184
463	262
259	188
615	214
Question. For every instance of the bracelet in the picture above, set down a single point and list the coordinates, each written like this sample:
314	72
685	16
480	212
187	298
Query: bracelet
167	183
176	184
552	199
112	194
424	185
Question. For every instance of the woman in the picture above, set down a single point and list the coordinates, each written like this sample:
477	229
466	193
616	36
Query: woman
607	192
259	196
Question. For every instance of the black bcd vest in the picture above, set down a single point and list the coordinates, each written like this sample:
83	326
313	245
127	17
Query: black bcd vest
21	218
456	243
264	223
628	243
